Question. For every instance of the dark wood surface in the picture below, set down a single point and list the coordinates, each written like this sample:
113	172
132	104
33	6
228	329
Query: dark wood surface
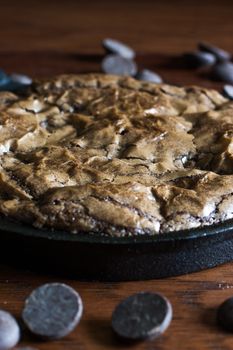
42	38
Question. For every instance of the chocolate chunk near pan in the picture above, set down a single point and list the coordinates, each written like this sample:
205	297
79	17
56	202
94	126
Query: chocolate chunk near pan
223	72
9	331
13	86
220	54
14	82
117	65
21	79
148	75
4	78
52	310
142	316
225	315
198	59
119	48
228	91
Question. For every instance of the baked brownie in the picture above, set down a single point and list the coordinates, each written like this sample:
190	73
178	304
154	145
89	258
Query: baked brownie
107	154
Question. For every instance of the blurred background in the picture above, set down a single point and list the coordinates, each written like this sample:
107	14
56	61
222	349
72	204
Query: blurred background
47	37
79	25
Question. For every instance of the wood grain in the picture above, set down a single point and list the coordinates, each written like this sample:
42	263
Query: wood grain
168	26
194	297
42	38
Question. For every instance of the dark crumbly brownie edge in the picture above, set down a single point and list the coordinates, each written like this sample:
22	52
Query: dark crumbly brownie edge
106	154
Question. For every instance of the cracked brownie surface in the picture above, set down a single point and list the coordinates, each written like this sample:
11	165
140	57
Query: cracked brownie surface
112	155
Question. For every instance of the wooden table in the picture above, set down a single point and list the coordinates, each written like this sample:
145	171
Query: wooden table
42	38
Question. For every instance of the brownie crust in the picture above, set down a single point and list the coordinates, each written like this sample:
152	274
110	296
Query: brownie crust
111	155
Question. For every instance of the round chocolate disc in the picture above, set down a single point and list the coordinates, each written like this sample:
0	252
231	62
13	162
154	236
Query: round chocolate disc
141	316
148	75
53	310
198	59
9	331
228	91
21	79
225	314
117	47
223	72
220	54
115	64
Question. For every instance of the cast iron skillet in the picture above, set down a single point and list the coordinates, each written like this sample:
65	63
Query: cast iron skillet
95	257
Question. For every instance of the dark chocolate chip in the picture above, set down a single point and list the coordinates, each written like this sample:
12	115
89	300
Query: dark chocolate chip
228	91
52	311
225	314
115	64
21	79
14	82
9	331
221	55
13	86
4	78
223	72
148	75
117	47
142	316
198	59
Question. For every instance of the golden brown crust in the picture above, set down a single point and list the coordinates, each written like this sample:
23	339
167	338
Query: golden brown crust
106	154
